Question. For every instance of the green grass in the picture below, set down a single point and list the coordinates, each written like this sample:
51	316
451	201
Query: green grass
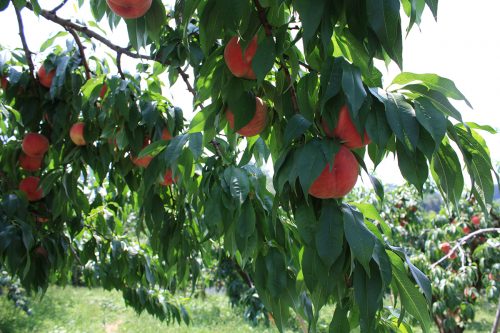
78	310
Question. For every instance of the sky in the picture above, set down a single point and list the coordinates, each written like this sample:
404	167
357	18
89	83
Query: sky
463	45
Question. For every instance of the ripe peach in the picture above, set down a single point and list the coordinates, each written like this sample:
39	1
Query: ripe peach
144	161
4	83
165	134
30	186
29	163
103	91
129	9
445	247
338	181
76	134
167	178
466	230
346	131
476	220
46	78
238	63
40	251
256	125
35	145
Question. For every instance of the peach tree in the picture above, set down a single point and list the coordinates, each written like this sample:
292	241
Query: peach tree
99	168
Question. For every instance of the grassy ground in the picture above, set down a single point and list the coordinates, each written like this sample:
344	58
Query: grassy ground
78	310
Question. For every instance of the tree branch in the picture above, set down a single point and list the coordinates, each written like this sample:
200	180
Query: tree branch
462	241
27	51
262	17
82	52
119	64
58	6
89	33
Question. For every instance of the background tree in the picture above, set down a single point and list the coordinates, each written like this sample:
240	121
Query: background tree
99	168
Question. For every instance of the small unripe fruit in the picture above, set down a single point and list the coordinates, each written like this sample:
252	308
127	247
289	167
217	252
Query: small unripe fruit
35	145
29	163
256	125
346	131
76	134
46	78
338	181
30	186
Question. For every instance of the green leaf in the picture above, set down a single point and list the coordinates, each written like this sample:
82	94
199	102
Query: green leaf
306	222
433	5
309	162
477	159
153	149
295	127
174	148
238	183
330	233
360	239
245	225
411	299
447	173
196	144
413	166
400	116
4	4
431	119
385	21
155	19
263	60
330	79
369	211
242	104
340	322
353	88
310	16
432	82
368	292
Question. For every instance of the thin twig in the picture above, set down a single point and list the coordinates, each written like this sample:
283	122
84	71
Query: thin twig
262	17
58	6
293	93
217	148
90	33
306	66
82	52
269	31
462	241
185	77
27	51
119	64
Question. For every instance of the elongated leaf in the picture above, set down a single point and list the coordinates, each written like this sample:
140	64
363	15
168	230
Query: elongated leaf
411	299
238	183
413	166
330	233
353	88
447	173
384	20
360	239
263	60
295	128
432	82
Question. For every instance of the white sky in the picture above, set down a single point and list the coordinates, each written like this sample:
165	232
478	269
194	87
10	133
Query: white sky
464	45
